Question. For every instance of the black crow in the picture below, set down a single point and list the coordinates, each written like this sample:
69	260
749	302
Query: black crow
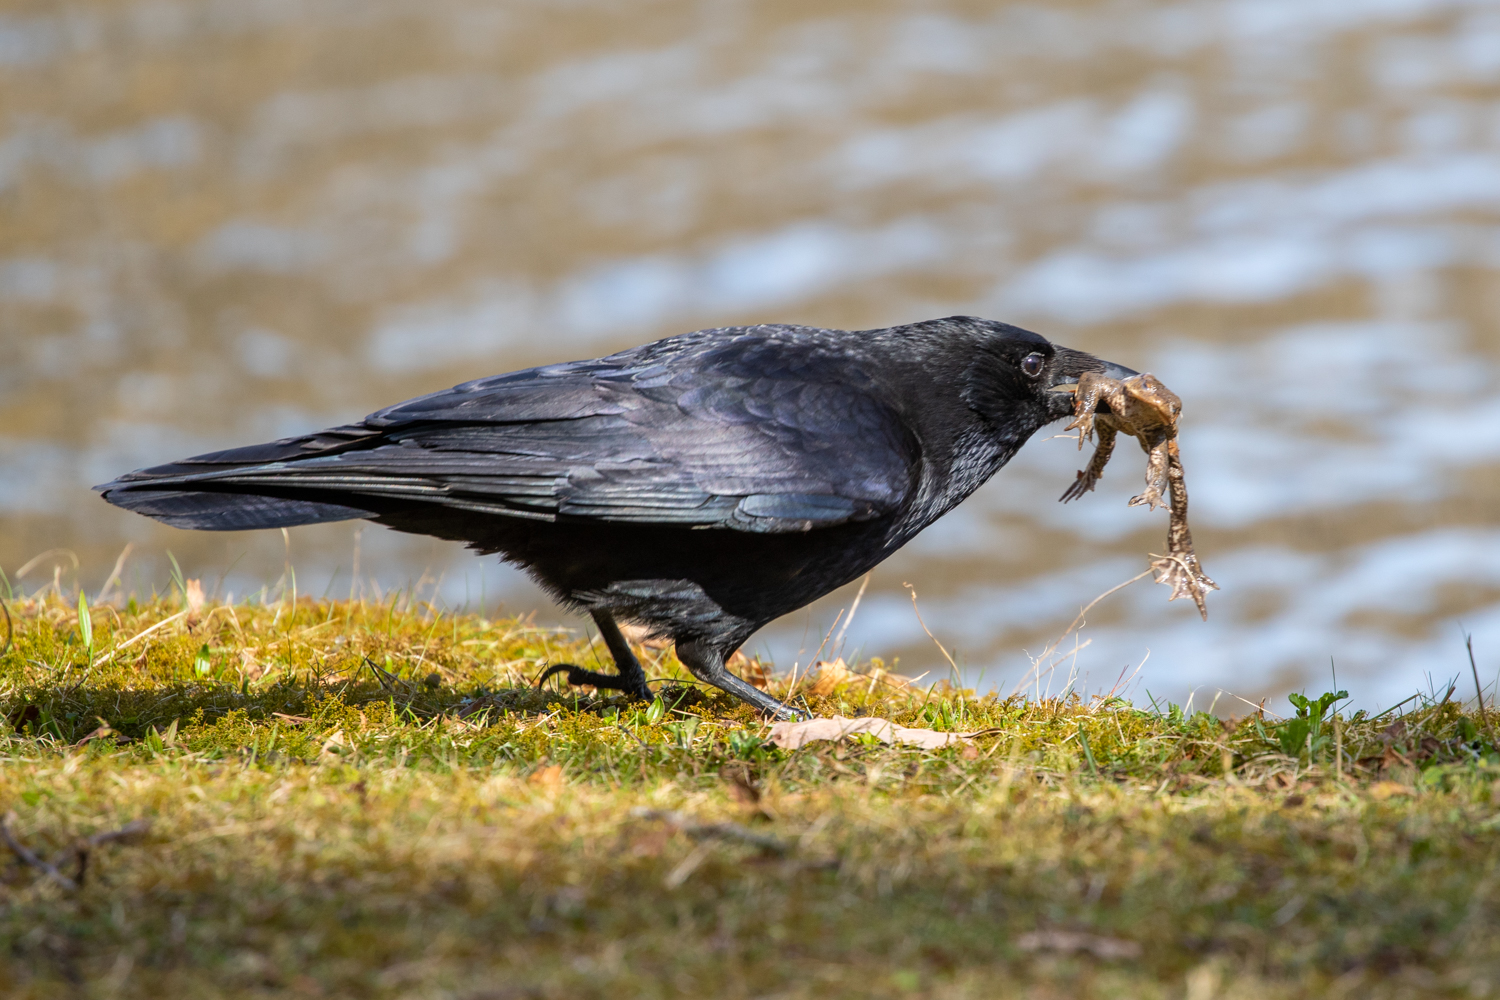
701	485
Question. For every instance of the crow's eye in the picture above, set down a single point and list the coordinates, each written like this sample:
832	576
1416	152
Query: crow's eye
1032	364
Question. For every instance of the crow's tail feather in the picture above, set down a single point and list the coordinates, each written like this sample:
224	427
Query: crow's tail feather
200	493
220	511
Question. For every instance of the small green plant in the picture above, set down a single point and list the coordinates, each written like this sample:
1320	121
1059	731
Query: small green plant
944	714
1304	731
177	581
744	743
682	732
86	625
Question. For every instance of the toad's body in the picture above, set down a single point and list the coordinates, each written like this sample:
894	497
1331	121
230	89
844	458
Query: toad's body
1140	406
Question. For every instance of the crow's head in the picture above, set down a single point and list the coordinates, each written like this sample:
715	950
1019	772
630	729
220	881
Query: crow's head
1018	378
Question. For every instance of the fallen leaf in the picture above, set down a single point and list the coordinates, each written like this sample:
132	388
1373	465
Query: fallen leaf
1389	789
639	635
1394	759
193	594
334	743
795	735
250	666
1070	942
97	734
829	675
753	671
549	777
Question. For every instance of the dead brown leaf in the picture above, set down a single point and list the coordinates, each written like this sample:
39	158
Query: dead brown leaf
250	666
1383	790
98	734
549	777
795	735
638	635
192	593
828	676
1394	760
753	671
334	744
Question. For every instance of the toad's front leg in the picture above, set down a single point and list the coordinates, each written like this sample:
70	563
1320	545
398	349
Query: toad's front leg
1092	388
1155	446
1090	475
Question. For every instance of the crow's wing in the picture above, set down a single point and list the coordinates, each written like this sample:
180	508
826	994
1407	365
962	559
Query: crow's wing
753	434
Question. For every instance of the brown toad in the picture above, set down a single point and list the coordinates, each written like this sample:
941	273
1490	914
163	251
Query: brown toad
1147	410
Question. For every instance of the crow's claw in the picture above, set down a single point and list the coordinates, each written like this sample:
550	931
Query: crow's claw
578	676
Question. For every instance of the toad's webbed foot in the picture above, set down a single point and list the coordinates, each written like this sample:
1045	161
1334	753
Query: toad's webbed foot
1181	572
1084	425
1091	475
1155	446
1152	497
1092	387
1087	478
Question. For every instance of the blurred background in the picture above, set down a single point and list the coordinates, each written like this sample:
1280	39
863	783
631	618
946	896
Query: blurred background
224	221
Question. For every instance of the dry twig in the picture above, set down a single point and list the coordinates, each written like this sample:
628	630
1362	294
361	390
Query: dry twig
79	851
24	853
719	831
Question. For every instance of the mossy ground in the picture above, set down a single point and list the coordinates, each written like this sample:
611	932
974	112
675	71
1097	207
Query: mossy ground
371	801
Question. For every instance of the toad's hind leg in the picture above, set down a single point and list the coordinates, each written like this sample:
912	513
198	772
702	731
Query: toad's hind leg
1155	448
631	678
1090	475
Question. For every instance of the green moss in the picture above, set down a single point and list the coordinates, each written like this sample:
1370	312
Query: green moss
362	800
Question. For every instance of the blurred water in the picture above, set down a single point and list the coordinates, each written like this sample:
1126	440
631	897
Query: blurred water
227	220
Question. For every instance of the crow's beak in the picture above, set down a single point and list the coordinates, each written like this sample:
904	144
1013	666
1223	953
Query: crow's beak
1109	370
1112	370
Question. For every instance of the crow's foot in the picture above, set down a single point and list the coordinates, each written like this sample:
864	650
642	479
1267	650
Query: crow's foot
614	682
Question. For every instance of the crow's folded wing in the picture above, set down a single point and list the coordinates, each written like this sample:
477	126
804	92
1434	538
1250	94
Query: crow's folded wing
722	442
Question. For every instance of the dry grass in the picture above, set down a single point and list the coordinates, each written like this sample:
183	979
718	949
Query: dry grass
368	801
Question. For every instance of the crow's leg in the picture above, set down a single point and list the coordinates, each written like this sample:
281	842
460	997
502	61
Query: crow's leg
631	678
707	664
